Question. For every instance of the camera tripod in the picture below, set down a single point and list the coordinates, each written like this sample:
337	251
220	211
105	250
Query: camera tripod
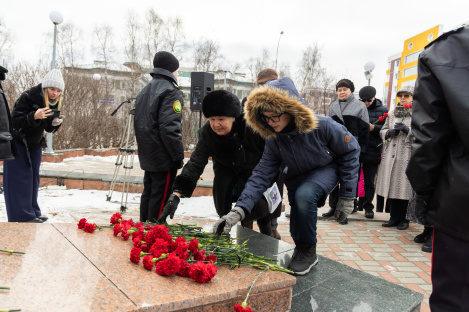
125	155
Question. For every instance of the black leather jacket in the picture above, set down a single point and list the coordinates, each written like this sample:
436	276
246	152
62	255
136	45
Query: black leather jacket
158	112
439	166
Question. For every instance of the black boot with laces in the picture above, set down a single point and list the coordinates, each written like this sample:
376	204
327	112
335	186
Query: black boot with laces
303	259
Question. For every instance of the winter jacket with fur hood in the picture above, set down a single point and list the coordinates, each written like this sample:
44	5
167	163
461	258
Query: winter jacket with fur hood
354	117
27	130
234	157
317	150
158	127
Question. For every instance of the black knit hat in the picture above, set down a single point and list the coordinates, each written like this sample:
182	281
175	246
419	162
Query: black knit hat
345	83
367	93
166	61
221	103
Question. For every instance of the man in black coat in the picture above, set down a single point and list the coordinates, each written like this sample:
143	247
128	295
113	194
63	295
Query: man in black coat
159	136
439	166
7	148
372	155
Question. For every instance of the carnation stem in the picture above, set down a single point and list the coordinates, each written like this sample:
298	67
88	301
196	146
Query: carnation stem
5	287
12	251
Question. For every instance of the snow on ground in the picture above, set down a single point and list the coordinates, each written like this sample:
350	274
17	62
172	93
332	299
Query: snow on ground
69	206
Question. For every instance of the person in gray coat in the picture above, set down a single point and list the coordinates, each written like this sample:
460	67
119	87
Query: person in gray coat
317	152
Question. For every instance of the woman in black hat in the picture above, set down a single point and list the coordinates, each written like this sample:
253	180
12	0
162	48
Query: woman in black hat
235	151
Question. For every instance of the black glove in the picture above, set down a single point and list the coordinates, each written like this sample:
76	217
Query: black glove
391	133
170	208
421	208
401	127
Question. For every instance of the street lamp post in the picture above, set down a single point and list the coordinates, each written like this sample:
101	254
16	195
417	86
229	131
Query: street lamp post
369	66
276	56
56	18
226	68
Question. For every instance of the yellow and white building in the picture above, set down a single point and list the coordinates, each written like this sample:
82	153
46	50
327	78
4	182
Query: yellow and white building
402	67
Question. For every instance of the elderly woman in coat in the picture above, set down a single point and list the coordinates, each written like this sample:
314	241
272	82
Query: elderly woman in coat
235	150
392	180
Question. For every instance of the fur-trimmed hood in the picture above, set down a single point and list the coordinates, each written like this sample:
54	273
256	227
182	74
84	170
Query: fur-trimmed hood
278	96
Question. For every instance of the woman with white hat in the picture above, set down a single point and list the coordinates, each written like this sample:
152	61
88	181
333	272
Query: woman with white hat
34	111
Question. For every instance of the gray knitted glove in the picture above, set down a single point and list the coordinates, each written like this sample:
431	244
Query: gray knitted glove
225	223
344	208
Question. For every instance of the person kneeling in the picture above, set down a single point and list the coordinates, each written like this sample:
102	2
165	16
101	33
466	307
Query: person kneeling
317	152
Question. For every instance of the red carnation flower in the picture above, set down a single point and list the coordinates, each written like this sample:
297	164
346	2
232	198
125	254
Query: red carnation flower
159	247
405	105
139	233
125	234
211	258
127	224
138	242
168	266
381	118
135	255
145	247
116	218
386	115
239	308
181	251
147	262
90	227
202	272
185	269
81	223
194	245
200	255
138	225
409	106
117	229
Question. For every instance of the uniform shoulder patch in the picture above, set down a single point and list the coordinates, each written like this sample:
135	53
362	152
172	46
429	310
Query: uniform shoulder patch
177	106
347	138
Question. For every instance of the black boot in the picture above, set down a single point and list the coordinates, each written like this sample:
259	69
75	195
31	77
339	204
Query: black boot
329	214
428	246
303	259
424	236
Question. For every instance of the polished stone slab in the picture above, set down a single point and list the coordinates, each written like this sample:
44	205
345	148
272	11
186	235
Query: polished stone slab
333	286
52	275
66	269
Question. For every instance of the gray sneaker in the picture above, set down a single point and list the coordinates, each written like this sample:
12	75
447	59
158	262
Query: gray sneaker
303	260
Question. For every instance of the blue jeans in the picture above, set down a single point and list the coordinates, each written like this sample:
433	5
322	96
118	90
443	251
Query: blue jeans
304	213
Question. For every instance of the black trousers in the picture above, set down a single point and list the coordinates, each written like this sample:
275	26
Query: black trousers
450	273
398	209
369	173
157	186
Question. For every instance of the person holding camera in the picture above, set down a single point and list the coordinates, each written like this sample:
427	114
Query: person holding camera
35	110
235	150
317	153
158	130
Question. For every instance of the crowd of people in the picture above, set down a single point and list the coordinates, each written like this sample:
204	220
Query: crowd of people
414	155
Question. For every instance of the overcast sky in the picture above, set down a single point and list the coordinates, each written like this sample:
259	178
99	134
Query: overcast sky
349	32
